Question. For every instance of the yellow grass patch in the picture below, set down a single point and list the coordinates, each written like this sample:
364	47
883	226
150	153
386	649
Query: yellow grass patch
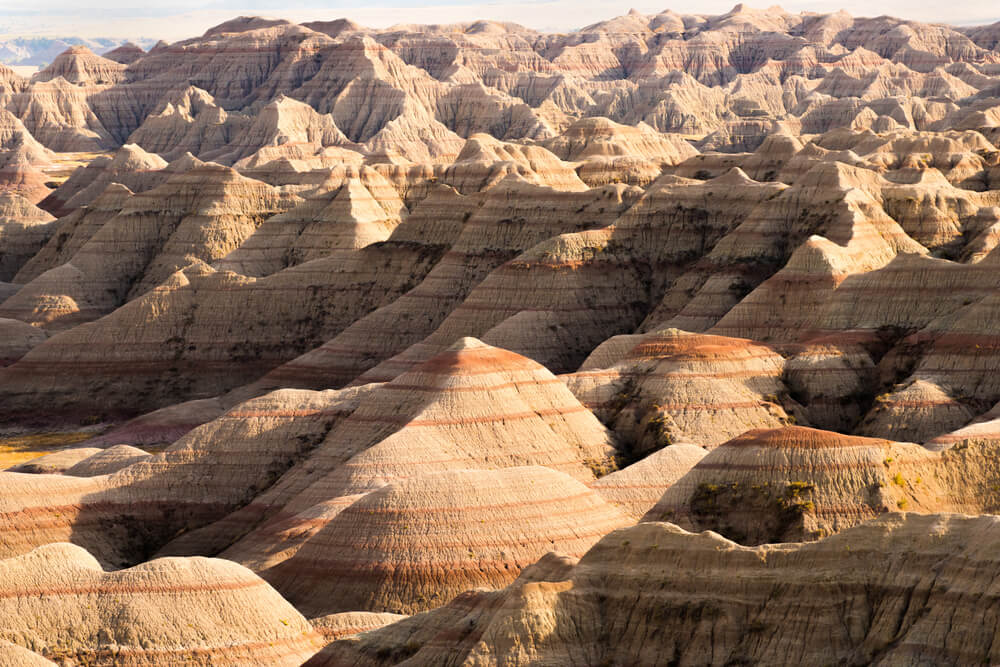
19	448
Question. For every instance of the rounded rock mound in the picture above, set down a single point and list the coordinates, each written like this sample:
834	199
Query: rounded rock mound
637	488
795	483
418	543
199	611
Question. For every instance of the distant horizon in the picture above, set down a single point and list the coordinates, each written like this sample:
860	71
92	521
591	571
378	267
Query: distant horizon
61	19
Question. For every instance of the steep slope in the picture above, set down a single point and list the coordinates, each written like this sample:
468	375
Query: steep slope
200	214
472	406
637	488
24	229
715	602
130	166
341	214
478	246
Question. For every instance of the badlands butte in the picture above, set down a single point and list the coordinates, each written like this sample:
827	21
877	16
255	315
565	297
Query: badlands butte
671	340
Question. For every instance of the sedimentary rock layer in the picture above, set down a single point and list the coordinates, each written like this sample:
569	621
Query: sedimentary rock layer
654	593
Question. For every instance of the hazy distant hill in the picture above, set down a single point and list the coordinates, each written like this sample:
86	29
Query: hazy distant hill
40	51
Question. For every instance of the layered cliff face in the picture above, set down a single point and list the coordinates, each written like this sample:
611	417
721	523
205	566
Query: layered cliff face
383	317
714	602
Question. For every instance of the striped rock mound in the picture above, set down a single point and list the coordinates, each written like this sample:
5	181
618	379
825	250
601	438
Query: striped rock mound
201	214
769	160
417	543
345	218
960	350
125	54
914	413
130	166
20	156
59	603
473	406
15	138
297	166
122	518
654	593
81	66
832	378
284	122
107	461
72	232
799	483
590	138
673	386
58	462
484	162
637	488
378	345
22	177
16	339
630	170
24	229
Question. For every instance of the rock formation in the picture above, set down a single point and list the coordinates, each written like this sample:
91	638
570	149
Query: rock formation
673	386
200	214
24	229
637	488
59	603
385	316
601	608
420	542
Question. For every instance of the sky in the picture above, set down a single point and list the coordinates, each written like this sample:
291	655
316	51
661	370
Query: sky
179	19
